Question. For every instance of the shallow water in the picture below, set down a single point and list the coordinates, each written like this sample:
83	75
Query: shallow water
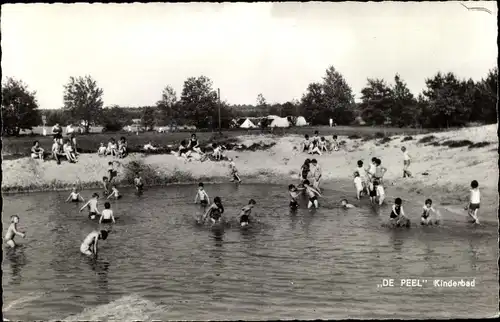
157	264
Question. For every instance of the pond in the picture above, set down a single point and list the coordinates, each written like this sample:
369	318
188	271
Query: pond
157	264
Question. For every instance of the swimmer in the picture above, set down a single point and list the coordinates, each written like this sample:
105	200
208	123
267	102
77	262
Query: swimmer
114	193
312	194
294	194
358	184
345	204
474	201
12	231
215	211
107	215
92	205
75	196
202	195
234	172
138	182
426	214
245	213
380	192
89	245
316	174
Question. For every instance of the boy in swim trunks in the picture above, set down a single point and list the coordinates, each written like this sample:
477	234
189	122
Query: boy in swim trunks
245	213
372	191
215	211
12	232
107	214
138	182
202	195
312	194
406	163
114	193
474	201
345	204
92	205
89	245
371	170
75	196
379	171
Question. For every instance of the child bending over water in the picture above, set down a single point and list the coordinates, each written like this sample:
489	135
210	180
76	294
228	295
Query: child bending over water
89	245
107	215
75	196
202	195
474	201
92	205
312	194
12	231
114	193
245	213
215	212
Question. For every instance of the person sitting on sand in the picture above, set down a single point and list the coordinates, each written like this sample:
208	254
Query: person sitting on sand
184	151
316	174
245	213
112	148
149	147
380	192
217	151
406	163
294	195
12	232
56	151
346	205
215	212
106	185
89	244
234	172
474	201
358	184
202	195
92	206
315	139
138	182
114	193
322	145
194	144
306	144
122	148
335	144
102	150
426	218
312	194
107	215
75	196
37	151
68	152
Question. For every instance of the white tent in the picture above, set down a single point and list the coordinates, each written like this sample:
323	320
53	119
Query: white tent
273	117
280	122
247	124
301	121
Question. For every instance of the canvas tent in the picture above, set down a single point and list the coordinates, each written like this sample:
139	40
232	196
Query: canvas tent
280	122
247	124
273	117
301	121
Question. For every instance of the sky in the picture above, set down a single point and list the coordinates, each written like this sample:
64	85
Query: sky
134	50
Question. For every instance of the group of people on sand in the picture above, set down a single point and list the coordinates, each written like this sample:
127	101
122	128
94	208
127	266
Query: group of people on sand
61	147
190	150
115	149
319	145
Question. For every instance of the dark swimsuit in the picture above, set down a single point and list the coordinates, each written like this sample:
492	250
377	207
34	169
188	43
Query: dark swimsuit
93	215
395	214
75	200
313	199
245	218
305	172
425	214
215	214
106	221
373	193
203	202
193	144
294	204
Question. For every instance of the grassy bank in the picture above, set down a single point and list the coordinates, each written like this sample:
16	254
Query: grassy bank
14	147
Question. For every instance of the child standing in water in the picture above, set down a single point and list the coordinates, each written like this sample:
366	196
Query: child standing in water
138	182
372	191
312	194
245	213
304	170
474	201
358	184
234	172
316	174
114	193
89	245
215	211
106	185
380	192
92	205
362	174
202	195
294	194
371	170
111	171
379	171
75	196
12	232
107	214
406	163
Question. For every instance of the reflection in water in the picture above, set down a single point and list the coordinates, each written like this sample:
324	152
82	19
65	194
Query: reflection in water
17	260
217	267
101	269
473	253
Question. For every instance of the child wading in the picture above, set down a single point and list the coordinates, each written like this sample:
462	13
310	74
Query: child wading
89	244
474	201
294	194
202	196
138	183
12	232
312	194
406	163
92	205
114	193
107	215
75	196
427	211
245	213
215	212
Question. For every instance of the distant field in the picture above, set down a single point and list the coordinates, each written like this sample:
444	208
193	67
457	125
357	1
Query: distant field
19	146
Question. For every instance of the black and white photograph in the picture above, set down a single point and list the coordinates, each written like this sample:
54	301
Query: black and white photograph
254	161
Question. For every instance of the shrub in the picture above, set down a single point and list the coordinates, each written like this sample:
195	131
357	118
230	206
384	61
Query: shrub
427	139
479	145
354	137
407	138
379	135
457	144
385	140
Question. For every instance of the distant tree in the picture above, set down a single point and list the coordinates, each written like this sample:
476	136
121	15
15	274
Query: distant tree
376	102
404	111
19	107
338	97
57	116
167	106
485	105
261	101
148	119
83	99
313	104
114	118
447	104
199	101
289	109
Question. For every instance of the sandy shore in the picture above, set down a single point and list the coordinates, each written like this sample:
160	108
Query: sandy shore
438	170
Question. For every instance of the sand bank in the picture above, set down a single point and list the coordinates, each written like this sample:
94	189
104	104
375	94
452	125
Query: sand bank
438	170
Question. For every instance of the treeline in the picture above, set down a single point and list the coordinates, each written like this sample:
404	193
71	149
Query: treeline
447	101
